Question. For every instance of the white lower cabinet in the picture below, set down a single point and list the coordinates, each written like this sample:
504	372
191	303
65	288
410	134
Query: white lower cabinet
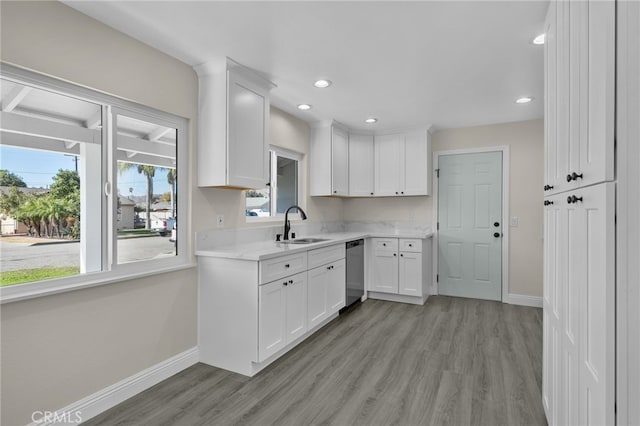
579	307
326	294
400	266
251	312
282	314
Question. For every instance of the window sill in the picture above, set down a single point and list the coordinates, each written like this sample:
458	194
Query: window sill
27	291
279	218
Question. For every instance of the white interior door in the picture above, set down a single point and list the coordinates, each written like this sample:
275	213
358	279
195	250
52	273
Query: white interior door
470	225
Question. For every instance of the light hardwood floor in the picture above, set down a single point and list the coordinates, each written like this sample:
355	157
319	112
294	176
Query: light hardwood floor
452	361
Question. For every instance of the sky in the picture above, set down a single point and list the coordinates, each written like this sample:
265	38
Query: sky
37	168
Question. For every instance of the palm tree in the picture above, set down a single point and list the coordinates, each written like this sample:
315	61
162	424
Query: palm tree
171	179
149	172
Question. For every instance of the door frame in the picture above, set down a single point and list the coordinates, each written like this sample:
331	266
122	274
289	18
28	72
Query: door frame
506	220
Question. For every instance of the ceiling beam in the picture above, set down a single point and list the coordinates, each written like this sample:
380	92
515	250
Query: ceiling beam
14	98
94	120
17	123
158	133
142	146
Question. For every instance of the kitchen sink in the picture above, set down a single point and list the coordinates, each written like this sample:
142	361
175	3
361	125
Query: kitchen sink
304	241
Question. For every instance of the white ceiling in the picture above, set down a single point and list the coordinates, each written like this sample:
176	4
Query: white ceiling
447	63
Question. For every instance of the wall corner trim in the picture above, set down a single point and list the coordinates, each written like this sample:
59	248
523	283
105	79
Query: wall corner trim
524	300
113	395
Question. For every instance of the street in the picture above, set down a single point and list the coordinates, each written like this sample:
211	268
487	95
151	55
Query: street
16	256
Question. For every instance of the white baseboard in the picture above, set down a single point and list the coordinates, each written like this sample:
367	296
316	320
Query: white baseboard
524	300
109	397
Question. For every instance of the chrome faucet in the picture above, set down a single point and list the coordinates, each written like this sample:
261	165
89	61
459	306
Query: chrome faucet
287	225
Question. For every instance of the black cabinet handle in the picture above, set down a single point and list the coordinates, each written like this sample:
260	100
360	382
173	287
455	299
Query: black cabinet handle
287	266
496	234
548	203
290	281
572	199
285	283
548	187
574	176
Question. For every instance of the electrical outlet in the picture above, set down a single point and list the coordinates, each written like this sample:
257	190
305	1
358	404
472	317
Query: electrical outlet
220	220
514	221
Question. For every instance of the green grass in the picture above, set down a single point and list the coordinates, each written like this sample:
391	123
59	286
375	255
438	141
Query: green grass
30	275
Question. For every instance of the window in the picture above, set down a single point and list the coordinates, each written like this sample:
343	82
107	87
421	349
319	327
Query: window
88	186
283	189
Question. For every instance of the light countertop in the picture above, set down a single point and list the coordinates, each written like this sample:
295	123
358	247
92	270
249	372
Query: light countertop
262	250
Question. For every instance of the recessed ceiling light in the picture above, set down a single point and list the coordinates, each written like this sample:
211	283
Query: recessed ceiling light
524	100
304	107
539	39
371	120
321	84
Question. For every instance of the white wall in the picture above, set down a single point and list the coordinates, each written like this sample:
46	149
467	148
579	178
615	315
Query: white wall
59	349
526	143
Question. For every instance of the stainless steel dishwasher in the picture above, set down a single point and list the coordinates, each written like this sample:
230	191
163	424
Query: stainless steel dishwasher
355	272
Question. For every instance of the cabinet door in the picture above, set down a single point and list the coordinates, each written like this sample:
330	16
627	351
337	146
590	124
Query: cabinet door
247	133
550	98
555	257
296	306
594	280
271	319
597	147
336	286
389	153
361	165
339	162
385	271
410	274
417	160
317	296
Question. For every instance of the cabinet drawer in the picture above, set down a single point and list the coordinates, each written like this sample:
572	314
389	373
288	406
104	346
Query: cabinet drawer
326	255
411	244
385	243
283	266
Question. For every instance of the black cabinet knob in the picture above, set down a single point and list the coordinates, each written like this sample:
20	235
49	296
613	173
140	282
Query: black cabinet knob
410	245
287	265
572	199
574	176
548	187
335	192
496	234
396	192
394	255
548	203
402	192
496	224
285	283
372	193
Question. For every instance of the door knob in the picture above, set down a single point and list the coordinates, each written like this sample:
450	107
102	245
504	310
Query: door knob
496	234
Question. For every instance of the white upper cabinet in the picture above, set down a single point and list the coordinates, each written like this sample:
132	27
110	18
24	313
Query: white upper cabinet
403	164
329	165
233	126
579	94
389	154
417	163
361	165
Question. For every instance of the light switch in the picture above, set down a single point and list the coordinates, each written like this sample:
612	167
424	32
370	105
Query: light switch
514	221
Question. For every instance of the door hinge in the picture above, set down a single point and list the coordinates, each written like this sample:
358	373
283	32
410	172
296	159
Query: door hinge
437	173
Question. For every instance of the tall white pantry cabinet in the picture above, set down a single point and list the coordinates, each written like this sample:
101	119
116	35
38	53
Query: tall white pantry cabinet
579	220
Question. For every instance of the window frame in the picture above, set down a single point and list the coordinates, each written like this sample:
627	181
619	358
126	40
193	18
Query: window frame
274	153
111	272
